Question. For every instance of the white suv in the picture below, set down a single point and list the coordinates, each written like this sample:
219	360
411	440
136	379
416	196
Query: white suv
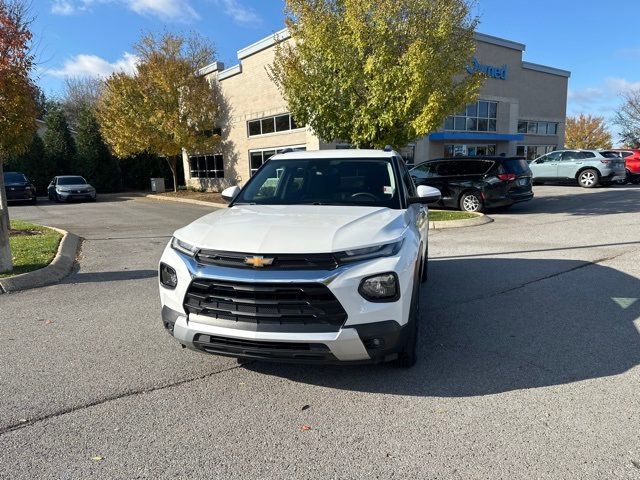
319	258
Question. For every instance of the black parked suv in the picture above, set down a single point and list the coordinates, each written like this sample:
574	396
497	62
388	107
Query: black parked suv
473	184
19	188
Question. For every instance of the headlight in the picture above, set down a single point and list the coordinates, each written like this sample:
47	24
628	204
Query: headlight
168	276
380	288
184	247
368	253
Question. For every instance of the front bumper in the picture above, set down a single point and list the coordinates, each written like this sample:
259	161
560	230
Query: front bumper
20	196
368	343
66	196
372	332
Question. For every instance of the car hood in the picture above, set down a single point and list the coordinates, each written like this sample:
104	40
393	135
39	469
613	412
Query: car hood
16	184
294	228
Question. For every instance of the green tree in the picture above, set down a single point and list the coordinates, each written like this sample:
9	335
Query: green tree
376	72
166	105
17	102
588	132
94	160
34	164
59	146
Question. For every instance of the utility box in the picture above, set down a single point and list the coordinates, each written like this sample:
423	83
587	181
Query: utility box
157	185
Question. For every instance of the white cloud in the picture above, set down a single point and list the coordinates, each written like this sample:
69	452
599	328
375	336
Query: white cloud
63	7
166	10
239	13
602	97
85	65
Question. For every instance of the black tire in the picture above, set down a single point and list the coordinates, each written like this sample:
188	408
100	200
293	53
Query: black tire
407	357
33	201
425	267
471	202
625	180
635	180
588	178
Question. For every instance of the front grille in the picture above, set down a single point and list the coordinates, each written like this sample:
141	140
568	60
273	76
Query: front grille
303	261
262	349
266	306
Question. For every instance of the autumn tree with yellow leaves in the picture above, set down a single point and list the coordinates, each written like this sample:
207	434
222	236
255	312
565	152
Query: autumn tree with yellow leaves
588	132
378	72
166	105
17	102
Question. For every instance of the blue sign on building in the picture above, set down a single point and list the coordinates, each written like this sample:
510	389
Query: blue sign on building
491	71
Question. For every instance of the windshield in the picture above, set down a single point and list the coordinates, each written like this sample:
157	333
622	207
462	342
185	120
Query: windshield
365	182
12	177
71	181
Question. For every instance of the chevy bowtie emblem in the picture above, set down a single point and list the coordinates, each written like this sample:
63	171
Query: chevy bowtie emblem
258	261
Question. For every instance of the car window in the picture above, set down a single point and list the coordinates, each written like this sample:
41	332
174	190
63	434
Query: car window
12	177
71	181
426	170
514	165
568	156
626	154
463	167
406	179
588	155
339	181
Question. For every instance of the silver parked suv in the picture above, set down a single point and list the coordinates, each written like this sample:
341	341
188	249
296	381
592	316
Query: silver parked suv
589	167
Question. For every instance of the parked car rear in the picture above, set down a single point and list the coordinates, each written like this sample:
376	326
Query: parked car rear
631	158
589	168
474	184
19	188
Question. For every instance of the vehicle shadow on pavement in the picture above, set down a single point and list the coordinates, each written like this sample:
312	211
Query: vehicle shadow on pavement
497	325
606	201
122	275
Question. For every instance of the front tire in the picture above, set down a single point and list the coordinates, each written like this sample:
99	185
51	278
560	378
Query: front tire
471	202
407	357
589	178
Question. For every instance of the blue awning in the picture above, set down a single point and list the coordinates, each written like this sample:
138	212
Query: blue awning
477	136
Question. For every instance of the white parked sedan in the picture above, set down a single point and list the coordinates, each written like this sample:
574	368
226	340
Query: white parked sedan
319	258
70	187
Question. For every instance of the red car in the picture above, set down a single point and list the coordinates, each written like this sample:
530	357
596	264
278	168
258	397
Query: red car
631	160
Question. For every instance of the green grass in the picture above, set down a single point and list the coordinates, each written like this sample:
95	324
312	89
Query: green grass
444	215
33	250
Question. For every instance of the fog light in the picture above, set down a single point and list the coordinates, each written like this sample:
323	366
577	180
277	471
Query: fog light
168	276
380	288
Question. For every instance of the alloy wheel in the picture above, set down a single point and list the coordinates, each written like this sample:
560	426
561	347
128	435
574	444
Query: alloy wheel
471	203
587	179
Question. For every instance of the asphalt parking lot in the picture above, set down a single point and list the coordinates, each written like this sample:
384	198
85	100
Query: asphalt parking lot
530	345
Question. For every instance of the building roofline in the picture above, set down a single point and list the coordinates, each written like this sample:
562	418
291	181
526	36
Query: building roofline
546	69
230	72
212	67
263	44
502	42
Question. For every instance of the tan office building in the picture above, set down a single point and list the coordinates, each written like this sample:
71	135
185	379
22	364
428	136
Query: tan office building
521	110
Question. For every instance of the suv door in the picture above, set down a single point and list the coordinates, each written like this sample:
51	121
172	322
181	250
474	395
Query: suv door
546	166
570	163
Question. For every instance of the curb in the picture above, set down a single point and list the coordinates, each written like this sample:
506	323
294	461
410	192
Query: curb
186	200
61	266
480	219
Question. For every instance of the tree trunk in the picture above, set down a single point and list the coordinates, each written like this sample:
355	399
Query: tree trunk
6	263
173	165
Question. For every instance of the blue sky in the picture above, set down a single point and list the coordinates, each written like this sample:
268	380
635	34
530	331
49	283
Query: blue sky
596	41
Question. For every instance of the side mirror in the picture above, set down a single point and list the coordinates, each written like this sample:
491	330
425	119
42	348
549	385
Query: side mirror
425	195
228	194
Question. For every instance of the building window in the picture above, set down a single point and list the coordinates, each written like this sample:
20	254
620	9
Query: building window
537	128
258	157
477	117
275	124
206	166
459	150
531	152
408	154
